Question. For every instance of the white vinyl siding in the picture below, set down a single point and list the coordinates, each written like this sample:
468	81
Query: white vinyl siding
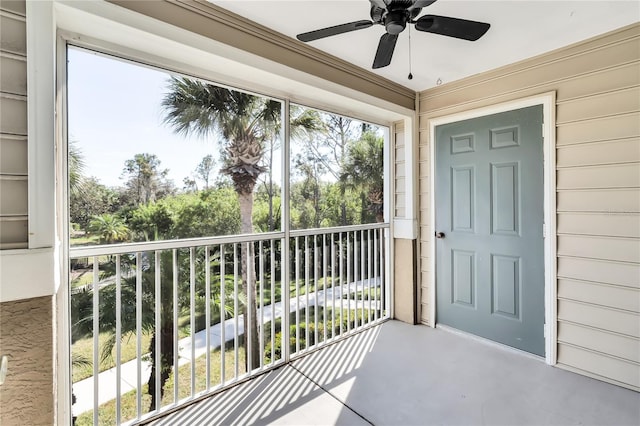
597	85
400	169
13	126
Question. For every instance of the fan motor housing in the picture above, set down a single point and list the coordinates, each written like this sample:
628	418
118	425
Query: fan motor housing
396	21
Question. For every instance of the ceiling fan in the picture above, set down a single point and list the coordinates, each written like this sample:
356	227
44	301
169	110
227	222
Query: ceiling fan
395	15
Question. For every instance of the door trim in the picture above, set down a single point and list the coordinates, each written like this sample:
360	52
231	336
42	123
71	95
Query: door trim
548	102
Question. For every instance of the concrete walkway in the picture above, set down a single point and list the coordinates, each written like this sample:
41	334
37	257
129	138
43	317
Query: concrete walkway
107	380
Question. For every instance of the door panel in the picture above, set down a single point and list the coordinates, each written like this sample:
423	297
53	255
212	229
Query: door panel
505	286
489	206
462	198
505	199
463	267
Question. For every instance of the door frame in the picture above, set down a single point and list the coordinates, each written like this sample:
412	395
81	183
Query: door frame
548	102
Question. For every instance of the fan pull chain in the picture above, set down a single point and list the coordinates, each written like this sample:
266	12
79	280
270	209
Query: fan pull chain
410	76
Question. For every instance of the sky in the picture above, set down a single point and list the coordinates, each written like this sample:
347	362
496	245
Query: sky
114	113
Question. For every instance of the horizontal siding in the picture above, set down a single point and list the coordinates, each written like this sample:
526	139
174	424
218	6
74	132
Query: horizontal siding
604	318
400	170
598	293
13	30
625	126
13	74
597	177
597	106
17	7
597	86
547	72
424	221
13	114
598	340
13	197
606	224
615	273
595	247
13	126
13	154
599	200
599	153
600	365
603	81
14	232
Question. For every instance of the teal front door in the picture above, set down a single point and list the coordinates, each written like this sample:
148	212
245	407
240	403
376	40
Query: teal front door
489	211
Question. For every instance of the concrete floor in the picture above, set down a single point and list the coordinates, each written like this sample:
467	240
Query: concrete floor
397	374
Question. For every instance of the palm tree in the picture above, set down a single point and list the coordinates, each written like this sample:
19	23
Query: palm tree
363	168
110	228
128	316
108	302
76	170
241	123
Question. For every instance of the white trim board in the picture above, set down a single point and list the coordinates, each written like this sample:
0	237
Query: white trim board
548	102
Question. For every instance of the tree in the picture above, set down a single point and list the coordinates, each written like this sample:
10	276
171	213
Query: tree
76	170
94	199
192	213
363	168
204	169
151	222
145	180
328	148
310	188
82	310
267	208
128	322
189	185
109	228
303	123
268	184
241	123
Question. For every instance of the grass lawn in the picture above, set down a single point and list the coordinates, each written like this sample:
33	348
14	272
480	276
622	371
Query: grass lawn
373	294
85	240
84	349
311	285
128	401
83	278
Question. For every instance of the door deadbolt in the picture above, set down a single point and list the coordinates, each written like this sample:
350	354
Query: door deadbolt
439	234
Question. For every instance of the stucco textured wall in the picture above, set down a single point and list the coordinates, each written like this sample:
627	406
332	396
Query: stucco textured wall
26	336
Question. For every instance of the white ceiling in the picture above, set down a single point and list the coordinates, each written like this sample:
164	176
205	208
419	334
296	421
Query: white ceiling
519	29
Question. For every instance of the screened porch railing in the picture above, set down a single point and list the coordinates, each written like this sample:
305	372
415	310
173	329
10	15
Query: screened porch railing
162	323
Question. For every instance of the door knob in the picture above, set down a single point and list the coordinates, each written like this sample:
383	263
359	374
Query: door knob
439	234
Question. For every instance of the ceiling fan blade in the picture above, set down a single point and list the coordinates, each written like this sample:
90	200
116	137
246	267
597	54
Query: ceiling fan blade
385	50
335	30
382	4
452	27
419	4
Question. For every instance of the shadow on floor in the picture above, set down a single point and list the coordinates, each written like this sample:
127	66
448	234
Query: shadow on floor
397	374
